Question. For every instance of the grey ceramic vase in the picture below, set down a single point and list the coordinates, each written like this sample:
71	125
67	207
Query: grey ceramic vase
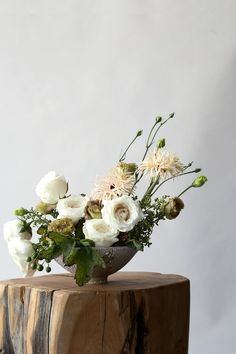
115	258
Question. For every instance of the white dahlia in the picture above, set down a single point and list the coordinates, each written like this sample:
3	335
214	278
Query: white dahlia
161	163
117	183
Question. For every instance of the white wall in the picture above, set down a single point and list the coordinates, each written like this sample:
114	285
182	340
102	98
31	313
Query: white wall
79	77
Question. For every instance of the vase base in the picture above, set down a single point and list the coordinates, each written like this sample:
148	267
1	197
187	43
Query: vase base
98	281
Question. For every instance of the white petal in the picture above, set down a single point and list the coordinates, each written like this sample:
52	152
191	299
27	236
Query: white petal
51	188
19	250
101	233
72	207
11	229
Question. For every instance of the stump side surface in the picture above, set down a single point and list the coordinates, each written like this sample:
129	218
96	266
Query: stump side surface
135	313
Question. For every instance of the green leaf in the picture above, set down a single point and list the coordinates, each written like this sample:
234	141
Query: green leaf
86	242
70	254
51	252
87	258
25	227
65	242
79	229
135	244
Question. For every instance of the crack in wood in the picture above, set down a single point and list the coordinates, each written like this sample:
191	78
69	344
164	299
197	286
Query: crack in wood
6	340
104	320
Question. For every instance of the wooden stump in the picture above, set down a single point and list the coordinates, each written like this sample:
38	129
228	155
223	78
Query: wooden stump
135	313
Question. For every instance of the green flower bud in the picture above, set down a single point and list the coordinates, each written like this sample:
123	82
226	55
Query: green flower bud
45	208
172	208
128	167
93	210
197	170
161	143
29	259
158	119
171	115
41	230
63	226
21	212
139	133
199	181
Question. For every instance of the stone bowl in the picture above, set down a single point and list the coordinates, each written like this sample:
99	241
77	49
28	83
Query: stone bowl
115	258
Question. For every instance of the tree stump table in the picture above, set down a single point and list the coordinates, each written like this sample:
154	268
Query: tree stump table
135	313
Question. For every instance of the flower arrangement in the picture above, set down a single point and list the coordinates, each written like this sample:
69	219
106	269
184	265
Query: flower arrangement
73	226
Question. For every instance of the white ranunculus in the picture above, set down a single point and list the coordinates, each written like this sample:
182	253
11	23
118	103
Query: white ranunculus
72	207
101	233
19	245
11	229
20	250
51	188
122	213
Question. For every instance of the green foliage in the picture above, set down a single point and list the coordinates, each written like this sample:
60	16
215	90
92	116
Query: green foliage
30	218
141	233
79	229
74	251
26	227
86	259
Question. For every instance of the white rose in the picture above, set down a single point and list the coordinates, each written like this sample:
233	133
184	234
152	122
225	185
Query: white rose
19	246
101	233
72	207
122	213
51	188
20	250
11	229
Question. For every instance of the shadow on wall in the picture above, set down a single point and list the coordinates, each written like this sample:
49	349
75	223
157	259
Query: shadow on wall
216	245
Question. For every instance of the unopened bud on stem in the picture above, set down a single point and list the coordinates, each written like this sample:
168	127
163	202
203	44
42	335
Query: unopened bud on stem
21	212
139	133
161	143
199	181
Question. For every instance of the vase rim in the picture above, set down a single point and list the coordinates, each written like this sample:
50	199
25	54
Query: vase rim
107	247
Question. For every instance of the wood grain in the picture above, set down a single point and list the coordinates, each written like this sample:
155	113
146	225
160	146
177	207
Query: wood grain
135	313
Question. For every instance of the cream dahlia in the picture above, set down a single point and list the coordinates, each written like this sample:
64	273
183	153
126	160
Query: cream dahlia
117	183
162	163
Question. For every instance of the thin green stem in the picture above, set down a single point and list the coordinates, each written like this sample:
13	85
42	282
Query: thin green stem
150	188
185	190
128	147
170	178
149	143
